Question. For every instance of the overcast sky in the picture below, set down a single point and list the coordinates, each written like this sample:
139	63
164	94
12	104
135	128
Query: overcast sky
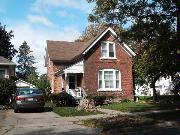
36	21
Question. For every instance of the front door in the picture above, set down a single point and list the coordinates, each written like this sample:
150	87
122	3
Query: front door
72	81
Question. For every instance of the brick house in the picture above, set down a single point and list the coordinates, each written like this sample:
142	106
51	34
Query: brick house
103	65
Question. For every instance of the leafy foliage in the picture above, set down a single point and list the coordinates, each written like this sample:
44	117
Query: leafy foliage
44	85
25	61
63	99
6	47
91	31
176	84
40	82
7	88
33	76
152	32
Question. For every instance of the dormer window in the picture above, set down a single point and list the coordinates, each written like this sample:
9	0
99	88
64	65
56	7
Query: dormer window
108	50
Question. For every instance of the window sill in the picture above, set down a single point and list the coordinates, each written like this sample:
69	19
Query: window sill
108	90
108	58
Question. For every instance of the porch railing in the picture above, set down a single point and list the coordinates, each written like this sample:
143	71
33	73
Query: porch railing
77	93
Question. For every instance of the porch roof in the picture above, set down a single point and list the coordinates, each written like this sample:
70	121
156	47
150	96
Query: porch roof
75	68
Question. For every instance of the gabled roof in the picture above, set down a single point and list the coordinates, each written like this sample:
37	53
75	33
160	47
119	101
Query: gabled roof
68	51
4	61
21	83
63	50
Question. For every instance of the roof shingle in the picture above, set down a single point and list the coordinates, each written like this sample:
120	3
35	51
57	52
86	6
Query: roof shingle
67	51
4	61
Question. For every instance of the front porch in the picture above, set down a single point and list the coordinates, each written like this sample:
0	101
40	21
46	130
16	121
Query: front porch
72	80
73	84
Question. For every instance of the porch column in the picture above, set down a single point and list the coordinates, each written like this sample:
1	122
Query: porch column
66	82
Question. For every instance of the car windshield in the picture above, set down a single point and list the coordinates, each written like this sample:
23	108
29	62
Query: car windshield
28	91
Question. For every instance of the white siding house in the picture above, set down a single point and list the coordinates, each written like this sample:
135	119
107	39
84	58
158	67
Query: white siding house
164	86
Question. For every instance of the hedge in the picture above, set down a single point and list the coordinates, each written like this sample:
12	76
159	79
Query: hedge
7	88
63	99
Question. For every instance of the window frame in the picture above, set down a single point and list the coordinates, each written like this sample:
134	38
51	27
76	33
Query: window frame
5	72
107	48
114	80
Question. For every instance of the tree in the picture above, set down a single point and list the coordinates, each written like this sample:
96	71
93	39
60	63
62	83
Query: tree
40	82
33	76
44	85
6	47
25	61
152	32
91	31
7	88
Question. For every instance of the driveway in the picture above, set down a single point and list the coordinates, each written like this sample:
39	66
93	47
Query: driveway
45	123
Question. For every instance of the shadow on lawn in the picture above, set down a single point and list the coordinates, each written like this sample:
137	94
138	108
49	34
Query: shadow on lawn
167	123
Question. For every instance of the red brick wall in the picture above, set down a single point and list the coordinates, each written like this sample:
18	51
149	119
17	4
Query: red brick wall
123	63
54	80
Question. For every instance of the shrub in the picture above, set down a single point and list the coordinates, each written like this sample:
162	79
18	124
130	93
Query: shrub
99	100
145	98
63	99
126	101
7	88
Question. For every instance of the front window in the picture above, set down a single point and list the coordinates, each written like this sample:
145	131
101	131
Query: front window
109	79
107	49
2	73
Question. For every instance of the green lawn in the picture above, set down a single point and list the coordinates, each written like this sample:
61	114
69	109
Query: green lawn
142	107
122	122
69	111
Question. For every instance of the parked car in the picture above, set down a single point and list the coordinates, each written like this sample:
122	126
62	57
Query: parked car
28	98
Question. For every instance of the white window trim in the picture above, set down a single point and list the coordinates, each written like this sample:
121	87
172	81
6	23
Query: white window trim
107	45
114	80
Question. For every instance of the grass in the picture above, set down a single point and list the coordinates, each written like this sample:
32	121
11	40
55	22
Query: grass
131	122
124	123
164	104
69	111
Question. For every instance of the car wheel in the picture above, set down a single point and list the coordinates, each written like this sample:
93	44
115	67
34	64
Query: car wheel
42	109
15	110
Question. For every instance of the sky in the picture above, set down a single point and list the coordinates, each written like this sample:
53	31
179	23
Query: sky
36	21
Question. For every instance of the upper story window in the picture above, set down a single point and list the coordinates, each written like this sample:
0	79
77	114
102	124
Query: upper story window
109	79
108	50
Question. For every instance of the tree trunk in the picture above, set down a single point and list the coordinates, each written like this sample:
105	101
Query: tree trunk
154	90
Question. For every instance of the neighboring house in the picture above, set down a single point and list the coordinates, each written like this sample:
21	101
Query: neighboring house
23	84
103	65
7	68
164	86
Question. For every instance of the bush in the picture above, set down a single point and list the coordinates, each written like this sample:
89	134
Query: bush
7	88
145	98
126	101
99	100
63	99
